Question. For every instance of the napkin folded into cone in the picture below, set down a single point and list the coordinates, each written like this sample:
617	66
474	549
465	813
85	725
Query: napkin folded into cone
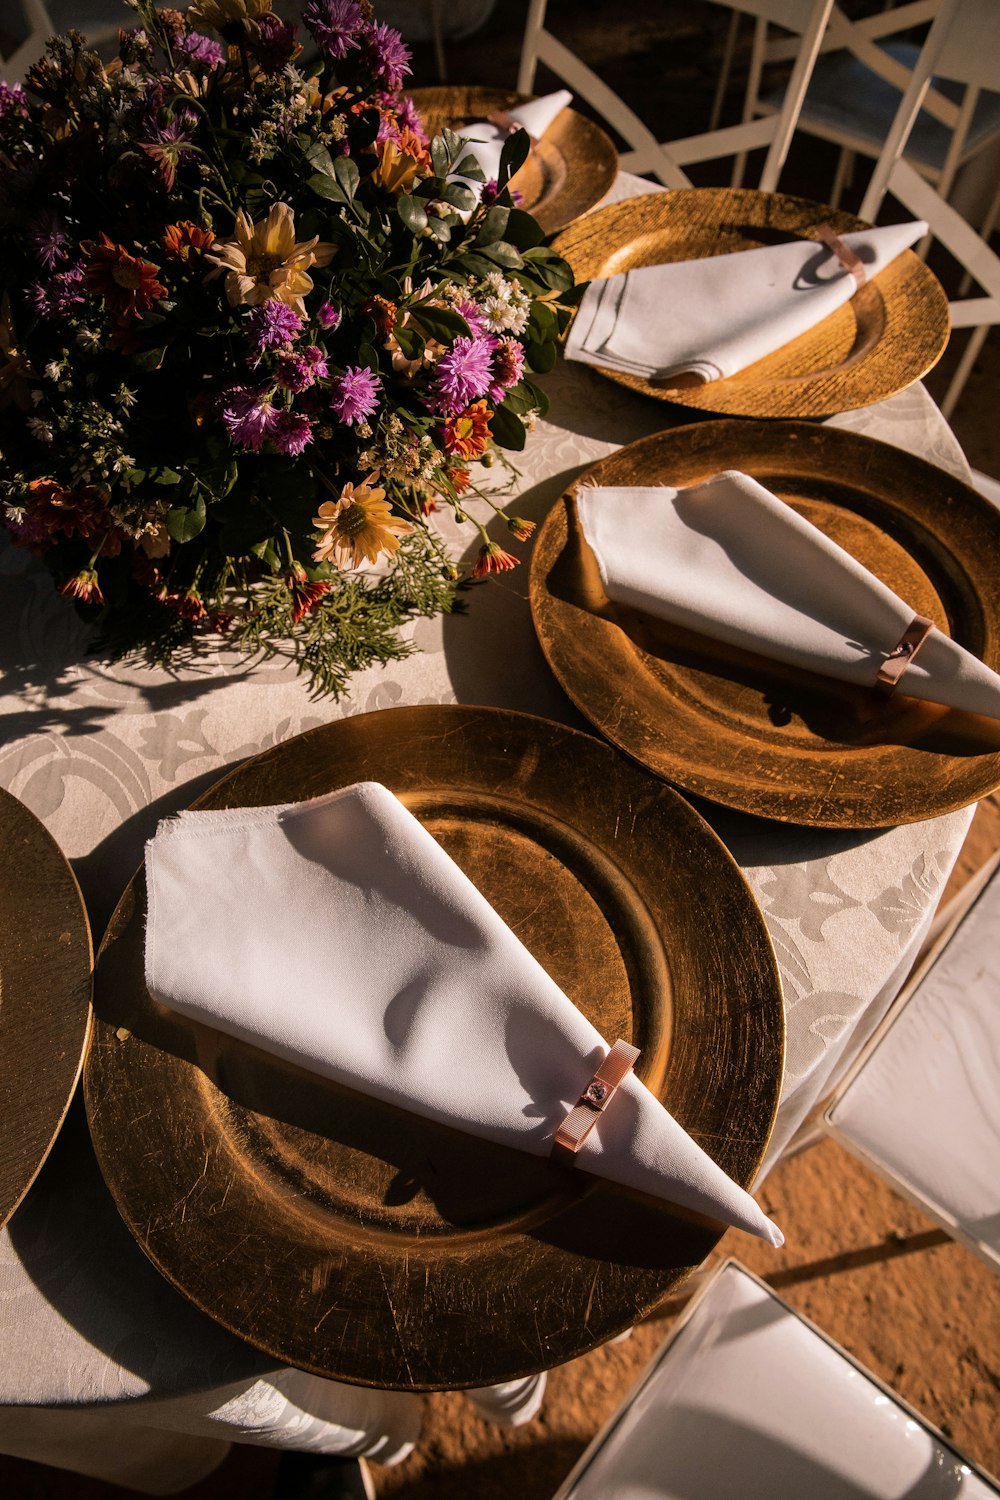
711	318
730	560
485	139
340	935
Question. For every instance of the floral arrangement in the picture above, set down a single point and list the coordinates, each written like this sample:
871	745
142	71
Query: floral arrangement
254	332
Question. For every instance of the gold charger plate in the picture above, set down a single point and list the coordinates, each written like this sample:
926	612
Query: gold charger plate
366	1244
892	331
570	169
750	733
45	989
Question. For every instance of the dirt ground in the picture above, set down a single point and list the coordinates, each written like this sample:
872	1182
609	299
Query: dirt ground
917	1309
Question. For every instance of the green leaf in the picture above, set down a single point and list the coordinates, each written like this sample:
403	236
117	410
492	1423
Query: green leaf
513	156
185	522
550	268
539	399
454	144
523	230
320	159
542	322
410	342
462	198
439	157
541	357
505	255
507	429
327	187
347	175
412	213
441	323
150	359
167	476
469	167
494	226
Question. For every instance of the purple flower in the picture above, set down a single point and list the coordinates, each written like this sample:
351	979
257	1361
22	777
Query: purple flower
409	116
272	324
13	104
49	239
293	373
390	56
327	316
335	24
57	297
273	45
355	394
463	374
249	416
316	360
292	433
472	315
198	48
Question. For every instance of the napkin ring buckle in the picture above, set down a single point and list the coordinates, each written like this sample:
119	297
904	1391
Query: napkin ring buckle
844	253
902	654
596	1097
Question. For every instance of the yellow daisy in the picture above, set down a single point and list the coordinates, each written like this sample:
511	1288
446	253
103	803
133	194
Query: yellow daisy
359	526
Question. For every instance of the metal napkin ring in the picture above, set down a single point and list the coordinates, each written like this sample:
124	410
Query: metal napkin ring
844	253
902	654
596	1097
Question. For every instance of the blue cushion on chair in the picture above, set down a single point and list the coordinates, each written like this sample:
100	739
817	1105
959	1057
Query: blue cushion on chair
844	95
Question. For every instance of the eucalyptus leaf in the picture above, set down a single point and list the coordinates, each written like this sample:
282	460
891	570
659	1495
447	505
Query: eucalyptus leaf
347	175
439	157
513	156
320	159
504	255
469	167
459	197
412	213
494	226
327	187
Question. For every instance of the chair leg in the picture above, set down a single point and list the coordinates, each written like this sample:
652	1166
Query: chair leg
725	68
964	370
438	33
845	172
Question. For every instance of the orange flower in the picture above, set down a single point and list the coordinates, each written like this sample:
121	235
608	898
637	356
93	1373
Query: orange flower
83	585
127	283
383	314
469	432
74	513
359	526
401	162
460	480
265	262
493	559
305	595
519	528
184	240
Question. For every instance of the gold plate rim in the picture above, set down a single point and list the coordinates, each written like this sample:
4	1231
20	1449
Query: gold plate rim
46	968
798	380
494	1305
585	151
931	761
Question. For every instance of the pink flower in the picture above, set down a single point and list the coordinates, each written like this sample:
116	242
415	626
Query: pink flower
355	394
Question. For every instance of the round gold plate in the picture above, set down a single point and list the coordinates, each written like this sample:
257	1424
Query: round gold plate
367	1244
569	170
45	987
892	331
750	733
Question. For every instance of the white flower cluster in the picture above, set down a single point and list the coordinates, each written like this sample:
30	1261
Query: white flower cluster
505	306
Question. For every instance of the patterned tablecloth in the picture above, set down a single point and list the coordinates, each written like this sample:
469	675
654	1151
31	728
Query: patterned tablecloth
90	1334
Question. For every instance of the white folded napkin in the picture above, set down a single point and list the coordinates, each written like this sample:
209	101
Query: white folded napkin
710	318
485	140
338	933
728	559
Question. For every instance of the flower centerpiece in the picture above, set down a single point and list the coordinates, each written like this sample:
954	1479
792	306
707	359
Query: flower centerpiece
253	333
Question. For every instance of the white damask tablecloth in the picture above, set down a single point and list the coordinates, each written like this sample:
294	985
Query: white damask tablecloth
92	1341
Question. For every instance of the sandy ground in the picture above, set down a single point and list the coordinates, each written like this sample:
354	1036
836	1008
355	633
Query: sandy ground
917	1309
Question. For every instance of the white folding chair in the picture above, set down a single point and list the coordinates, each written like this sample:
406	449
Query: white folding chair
865	67
98	20
963	45
749	1399
666	160
921	1107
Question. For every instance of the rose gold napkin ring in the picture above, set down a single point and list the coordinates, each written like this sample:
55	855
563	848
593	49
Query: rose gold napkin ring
844	253
902	654
596	1097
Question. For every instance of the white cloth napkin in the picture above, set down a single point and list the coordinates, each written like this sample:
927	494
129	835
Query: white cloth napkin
338	934
485	141
730	560
710	318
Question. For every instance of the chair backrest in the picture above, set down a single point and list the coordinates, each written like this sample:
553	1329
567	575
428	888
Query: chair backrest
963	45
922	1105
33	31
666	160
747	1398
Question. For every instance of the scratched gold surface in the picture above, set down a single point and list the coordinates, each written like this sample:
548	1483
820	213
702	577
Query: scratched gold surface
753	734
568	171
45	991
363	1243
892	331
